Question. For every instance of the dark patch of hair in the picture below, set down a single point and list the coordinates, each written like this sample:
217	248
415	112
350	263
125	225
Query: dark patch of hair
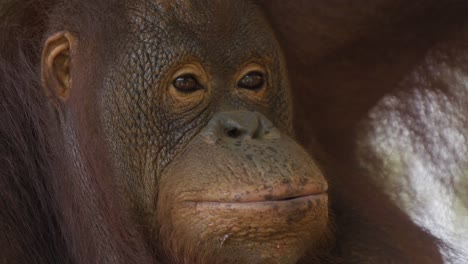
33	174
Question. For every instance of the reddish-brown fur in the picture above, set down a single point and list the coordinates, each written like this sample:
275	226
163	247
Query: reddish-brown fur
39	220
42	220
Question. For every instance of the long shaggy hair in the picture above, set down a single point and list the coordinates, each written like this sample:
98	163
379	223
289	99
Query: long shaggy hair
34	225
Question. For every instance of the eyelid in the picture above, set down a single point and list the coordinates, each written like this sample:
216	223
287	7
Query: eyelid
187	75
193	69
250	68
254	72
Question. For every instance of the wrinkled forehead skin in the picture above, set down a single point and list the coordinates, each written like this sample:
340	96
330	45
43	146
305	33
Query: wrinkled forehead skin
225	33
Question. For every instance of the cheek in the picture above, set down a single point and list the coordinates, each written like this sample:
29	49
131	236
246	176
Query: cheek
143	135
131	133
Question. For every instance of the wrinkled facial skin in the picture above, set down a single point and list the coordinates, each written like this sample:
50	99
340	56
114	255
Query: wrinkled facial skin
204	193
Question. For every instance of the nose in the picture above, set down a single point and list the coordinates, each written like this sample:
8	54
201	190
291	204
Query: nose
239	125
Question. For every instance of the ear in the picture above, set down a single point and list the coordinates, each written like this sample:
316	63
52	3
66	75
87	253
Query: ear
55	65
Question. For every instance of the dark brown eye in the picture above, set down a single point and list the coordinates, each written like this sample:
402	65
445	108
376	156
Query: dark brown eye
186	83
253	81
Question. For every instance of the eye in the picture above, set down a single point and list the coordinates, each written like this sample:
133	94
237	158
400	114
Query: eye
253	80
186	84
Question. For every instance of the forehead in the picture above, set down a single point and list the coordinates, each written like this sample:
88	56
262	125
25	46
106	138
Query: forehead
222	29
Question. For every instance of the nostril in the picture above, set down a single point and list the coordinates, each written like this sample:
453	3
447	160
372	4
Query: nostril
233	132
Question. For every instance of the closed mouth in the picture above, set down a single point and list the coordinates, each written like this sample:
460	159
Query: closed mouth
282	206
280	194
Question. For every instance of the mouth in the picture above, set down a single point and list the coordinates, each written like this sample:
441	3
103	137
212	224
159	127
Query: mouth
275	213
310	200
273	196
282	210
